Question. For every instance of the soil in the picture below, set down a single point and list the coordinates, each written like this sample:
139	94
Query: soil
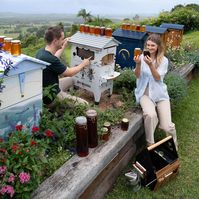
106	101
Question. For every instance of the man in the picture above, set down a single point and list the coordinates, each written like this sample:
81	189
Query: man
55	45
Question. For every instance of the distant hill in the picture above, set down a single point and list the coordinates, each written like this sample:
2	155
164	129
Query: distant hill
12	18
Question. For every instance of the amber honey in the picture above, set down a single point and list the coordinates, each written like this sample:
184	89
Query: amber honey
143	28
2	39
102	31
108	32
91	116
97	30
92	30
133	27
7	44
86	28
128	26
16	47
81	136
138	28
125	124
137	52
123	27
82	28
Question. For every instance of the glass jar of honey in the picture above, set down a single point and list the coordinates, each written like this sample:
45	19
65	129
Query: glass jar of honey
138	28
137	52
128	26
123	27
2	38
102	31
91	116
82	28
125	124
81	136
108	126
97	30
143	28
7	44
86	28
16	47
108	32
133	27
92	30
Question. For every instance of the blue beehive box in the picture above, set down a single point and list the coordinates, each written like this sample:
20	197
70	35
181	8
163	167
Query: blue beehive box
20	92
129	41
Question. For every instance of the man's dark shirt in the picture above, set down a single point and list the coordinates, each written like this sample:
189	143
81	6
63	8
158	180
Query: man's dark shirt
51	73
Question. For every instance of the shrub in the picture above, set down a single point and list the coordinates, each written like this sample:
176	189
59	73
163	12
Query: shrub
177	87
126	80
22	163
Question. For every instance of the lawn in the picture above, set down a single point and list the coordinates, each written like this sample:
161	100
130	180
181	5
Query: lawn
192	37
185	186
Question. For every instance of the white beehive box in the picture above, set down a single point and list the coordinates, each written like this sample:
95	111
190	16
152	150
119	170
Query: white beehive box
21	96
99	76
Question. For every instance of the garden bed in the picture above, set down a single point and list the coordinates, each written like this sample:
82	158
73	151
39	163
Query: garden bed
94	175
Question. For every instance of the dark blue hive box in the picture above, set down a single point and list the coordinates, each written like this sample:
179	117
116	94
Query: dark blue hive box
129	41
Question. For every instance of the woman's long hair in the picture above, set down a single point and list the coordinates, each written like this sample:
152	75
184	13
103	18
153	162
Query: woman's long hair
160	51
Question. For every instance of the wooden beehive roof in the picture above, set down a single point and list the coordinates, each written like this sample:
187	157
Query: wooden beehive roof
93	41
155	29
172	26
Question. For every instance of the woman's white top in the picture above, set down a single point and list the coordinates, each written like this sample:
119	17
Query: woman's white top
157	88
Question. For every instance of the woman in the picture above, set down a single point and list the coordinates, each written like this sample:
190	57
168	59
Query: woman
151	92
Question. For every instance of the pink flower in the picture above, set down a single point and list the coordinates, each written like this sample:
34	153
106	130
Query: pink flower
11	178
3	169
24	177
7	189
15	147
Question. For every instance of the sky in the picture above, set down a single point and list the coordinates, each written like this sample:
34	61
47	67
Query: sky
95	7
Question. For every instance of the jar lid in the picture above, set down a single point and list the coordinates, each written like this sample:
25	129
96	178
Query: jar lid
81	120
107	124
104	130
91	112
1	36
8	39
16	41
125	120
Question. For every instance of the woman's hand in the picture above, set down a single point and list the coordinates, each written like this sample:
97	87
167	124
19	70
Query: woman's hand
137	59
148	60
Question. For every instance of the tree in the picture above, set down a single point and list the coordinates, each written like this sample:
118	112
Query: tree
86	16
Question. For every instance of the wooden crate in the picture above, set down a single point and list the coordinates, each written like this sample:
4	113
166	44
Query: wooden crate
160	162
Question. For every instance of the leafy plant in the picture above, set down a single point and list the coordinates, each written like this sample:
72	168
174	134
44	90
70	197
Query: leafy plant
126	80
22	162
177	87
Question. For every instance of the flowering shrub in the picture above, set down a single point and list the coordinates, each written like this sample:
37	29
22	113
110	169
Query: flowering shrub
22	162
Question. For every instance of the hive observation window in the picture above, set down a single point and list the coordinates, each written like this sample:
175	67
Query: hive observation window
84	54
108	59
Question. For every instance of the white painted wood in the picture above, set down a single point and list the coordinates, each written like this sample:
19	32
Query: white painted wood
11	93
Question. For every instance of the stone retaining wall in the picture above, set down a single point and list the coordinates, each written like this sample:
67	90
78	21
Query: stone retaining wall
91	177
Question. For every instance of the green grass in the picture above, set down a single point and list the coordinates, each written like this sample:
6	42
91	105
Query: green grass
185	186
193	38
